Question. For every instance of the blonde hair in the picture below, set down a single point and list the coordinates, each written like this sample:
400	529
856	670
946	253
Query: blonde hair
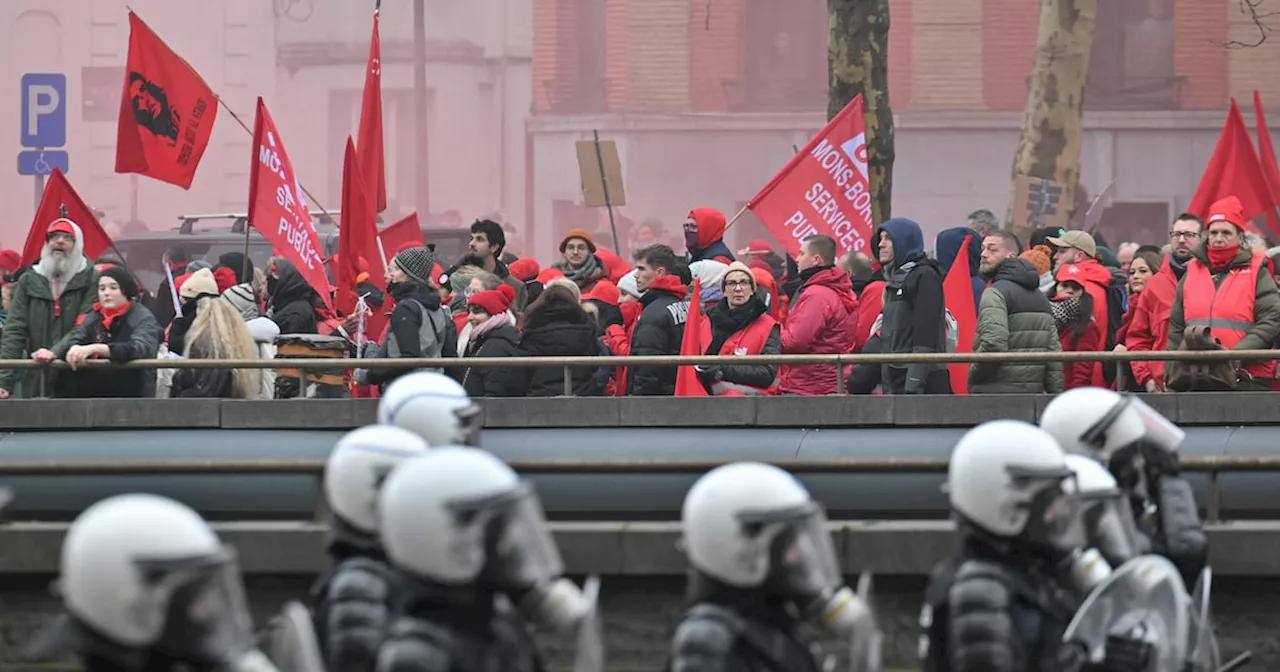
218	332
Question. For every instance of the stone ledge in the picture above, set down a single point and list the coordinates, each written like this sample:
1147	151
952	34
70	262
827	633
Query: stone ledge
891	548
1210	409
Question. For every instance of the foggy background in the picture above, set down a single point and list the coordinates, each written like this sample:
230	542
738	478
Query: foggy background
705	99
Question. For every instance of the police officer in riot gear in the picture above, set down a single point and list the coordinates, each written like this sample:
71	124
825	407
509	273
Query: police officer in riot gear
1001	604
762	572
1139	446
433	406
474	562
1106	513
353	600
148	587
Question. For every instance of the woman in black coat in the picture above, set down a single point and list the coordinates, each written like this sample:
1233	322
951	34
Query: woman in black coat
556	326
493	334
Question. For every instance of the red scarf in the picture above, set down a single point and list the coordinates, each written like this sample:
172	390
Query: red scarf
1221	257
109	315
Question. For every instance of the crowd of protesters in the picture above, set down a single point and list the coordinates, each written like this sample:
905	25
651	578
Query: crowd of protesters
1211	285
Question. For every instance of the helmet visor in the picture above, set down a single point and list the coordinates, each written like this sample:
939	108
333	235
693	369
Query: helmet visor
1156	430
1053	511
519	550
197	604
468	425
802	560
1110	528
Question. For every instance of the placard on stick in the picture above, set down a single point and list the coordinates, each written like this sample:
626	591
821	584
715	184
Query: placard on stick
1037	203
593	191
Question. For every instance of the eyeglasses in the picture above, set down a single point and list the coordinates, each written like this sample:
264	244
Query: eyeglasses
1189	235
737	284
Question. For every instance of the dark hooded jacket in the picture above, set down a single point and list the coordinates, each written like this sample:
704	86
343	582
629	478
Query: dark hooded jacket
913	314
416	305
710	239
494	381
658	331
556	328
291	302
947	247
1014	316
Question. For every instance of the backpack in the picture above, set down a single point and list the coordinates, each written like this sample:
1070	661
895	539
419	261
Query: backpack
1116	304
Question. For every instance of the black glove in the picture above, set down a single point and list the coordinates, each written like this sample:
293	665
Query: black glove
709	375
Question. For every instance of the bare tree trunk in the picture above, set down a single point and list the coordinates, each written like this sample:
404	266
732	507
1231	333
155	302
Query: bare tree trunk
858	63
1049	147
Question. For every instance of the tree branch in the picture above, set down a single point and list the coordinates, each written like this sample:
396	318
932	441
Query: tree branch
1251	9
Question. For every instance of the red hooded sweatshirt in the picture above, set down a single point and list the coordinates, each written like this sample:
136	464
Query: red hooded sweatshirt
1095	278
711	226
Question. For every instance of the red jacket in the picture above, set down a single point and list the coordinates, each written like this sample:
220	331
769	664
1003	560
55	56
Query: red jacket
618	340
870	303
750	340
1079	374
823	320
1149	326
1228	309
1095	278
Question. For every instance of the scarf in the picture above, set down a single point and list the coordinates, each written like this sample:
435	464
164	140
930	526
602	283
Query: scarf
494	321
580	276
109	315
1066	311
1220	258
726	321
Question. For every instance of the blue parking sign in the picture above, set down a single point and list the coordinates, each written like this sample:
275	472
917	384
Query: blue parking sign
44	109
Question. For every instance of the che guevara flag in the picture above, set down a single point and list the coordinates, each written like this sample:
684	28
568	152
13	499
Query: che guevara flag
824	189
166	111
369	138
687	383
276	207
59	194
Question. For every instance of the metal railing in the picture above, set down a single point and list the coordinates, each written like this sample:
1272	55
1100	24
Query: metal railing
1213	467
841	361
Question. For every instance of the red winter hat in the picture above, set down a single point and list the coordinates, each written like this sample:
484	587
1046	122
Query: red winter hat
548	274
494	301
604	292
614	266
225	277
62	225
758	246
1227	210
524	269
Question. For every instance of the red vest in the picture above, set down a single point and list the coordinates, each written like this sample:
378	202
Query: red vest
1227	309
748	341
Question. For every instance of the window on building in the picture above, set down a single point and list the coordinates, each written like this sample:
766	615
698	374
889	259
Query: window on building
784	56
1132	63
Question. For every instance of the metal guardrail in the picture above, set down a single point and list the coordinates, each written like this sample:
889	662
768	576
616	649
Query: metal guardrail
1214	467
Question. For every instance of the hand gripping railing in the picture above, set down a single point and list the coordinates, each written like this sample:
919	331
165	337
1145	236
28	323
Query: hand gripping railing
1212	466
569	363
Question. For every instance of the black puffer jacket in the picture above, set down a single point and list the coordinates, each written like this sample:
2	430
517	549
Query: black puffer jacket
559	329
202	383
658	331
494	381
291	303
133	335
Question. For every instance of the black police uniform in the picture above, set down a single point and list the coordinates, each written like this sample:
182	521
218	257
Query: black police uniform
353	601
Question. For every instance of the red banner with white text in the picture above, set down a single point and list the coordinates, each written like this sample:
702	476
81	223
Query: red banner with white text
823	189
276	206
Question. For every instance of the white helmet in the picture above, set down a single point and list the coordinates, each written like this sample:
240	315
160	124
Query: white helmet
1098	422
433	406
1105	511
360	461
127	559
1091	477
1006	478
437	510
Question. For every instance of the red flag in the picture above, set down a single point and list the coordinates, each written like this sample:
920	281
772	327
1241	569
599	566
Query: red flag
1267	159
370	146
687	383
405	233
823	189
957	293
58	193
166	111
1233	170
276	207
358	236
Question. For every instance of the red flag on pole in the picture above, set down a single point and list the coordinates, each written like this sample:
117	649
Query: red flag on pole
957	293
405	233
58	193
1233	170
687	383
166	111
370	146
276	206
358	236
1267	160
823	189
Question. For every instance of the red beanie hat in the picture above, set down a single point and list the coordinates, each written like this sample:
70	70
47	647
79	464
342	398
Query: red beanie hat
524	269
225	277
1227	210
548	274
614	266
494	301
604	292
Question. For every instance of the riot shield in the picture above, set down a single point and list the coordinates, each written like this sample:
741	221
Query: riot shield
590	654
292	644
1144	599
867	640
1203	652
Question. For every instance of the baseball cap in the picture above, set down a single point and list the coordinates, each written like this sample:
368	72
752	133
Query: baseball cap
1078	239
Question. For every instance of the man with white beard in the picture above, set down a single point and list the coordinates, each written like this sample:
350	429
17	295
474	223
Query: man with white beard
47	301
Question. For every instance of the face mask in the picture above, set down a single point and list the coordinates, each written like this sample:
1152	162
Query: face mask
558	605
1084	570
691	239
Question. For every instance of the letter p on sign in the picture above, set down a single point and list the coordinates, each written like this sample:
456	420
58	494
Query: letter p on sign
44	110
